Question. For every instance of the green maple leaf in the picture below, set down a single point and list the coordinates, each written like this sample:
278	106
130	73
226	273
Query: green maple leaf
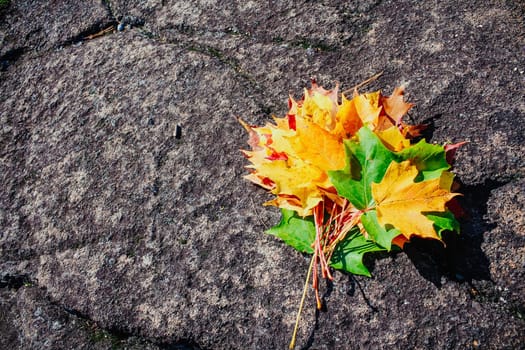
367	161
430	160
348	255
378	233
445	221
295	231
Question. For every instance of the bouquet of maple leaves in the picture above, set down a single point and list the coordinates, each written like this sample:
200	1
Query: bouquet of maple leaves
348	179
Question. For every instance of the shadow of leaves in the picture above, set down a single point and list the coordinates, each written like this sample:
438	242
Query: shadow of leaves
460	258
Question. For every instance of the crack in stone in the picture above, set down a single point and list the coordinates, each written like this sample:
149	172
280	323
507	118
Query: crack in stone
231	62
118	336
15	281
206	50
11	56
180	345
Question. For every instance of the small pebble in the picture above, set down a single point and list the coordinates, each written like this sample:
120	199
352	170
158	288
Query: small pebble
56	326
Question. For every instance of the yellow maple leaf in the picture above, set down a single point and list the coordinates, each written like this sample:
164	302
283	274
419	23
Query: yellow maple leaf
401	202
319	106
368	109
342	119
317	146
293	162
393	139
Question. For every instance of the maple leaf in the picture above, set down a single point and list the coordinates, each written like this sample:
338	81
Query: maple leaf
395	106
293	162
320	105
349	253
367	161
430	160
367	106
402	203
393	139
390	127
349	120
318	146
377	232
295	231
295	179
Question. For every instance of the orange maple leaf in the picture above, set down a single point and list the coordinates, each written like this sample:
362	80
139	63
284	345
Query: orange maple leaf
395	106
401	202
390	127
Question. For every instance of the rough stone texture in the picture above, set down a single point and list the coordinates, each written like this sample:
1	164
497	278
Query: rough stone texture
33	27
31	320
124	220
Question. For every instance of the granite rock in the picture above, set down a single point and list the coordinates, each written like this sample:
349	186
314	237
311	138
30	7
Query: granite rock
124	217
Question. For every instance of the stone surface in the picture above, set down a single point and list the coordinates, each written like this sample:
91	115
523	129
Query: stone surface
34	27
30	320
124	218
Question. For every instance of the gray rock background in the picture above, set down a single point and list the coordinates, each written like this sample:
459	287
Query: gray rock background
124	219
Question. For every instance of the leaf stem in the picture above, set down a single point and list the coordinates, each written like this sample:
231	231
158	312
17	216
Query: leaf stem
367	81
301	304
327	236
